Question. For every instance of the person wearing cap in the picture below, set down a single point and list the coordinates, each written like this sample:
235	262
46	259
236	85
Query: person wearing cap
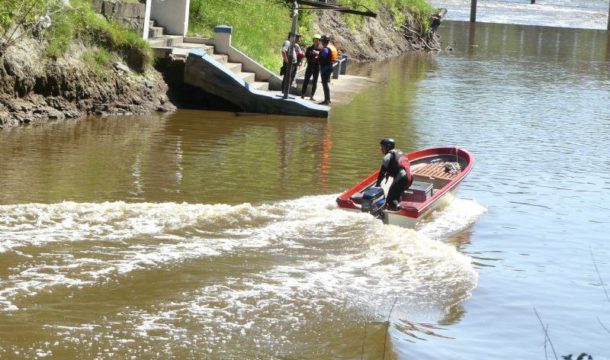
394	164
327	58
313	67
291	57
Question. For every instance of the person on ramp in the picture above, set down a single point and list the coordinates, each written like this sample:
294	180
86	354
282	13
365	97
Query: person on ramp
313	67
395	164
327	58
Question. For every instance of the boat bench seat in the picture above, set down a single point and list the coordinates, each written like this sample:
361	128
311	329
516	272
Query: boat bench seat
436	170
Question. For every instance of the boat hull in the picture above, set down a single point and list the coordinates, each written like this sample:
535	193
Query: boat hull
398	219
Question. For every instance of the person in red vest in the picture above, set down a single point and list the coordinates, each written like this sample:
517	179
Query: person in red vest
395	164
327	58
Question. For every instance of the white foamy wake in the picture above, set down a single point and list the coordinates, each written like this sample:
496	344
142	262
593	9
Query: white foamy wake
316	258
456	217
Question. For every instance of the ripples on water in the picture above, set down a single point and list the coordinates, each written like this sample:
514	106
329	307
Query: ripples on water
111	245
245	279
583	14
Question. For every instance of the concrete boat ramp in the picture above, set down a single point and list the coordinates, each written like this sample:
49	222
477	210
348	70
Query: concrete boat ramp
204	72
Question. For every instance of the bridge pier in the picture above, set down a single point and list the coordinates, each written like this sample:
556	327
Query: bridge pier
473	10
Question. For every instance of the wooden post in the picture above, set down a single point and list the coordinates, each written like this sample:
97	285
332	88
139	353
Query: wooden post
533	2
473	10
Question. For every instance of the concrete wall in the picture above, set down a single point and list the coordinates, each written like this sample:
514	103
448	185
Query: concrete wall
130	15
173	15
222	44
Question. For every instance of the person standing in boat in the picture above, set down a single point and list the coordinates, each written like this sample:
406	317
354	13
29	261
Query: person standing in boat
394	164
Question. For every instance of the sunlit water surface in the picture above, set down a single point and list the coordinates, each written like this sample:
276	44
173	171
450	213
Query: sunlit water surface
212	235
579	14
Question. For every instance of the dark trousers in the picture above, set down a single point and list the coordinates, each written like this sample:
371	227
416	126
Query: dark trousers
312	70
395	191
325	75
293	72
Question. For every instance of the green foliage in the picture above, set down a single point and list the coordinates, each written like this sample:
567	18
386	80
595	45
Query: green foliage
76	22
5	17
25	12
19	18
98	59
84	24
259	27
60	35
420	9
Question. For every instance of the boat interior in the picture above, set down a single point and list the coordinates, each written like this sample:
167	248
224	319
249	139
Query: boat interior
438	174
429	176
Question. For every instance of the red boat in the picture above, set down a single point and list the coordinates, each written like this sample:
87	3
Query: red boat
437	174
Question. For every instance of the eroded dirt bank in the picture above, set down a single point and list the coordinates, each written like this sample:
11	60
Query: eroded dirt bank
378	38
34	88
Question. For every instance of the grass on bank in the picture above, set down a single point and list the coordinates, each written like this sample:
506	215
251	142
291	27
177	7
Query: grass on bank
421	10
76	22
260	26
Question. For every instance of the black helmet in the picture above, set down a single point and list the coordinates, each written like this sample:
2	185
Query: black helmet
390	143
325	38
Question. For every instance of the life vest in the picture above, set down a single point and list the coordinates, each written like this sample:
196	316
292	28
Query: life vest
400	162
333	53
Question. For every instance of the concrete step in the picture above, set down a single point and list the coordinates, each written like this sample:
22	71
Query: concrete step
247	77
179	57
260	85
155	32
162	52
234	67
221	58
151	23
198	40
206	48
166	41
180	51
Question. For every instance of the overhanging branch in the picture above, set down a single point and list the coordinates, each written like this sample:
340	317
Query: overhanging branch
315	5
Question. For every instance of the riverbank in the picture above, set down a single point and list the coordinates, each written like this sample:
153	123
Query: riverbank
401	26
386	36
82	65
34	88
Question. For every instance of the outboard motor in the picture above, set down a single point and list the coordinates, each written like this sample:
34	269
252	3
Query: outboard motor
373	200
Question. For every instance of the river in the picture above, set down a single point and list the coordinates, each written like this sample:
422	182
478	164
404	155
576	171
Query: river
579	14
214	235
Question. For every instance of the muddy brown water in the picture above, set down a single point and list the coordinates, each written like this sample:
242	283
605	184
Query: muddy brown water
211	235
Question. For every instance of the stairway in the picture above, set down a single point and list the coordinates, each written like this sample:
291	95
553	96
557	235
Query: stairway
178	48
202	71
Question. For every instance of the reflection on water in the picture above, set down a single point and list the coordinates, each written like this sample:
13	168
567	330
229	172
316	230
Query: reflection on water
186	156
213	235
